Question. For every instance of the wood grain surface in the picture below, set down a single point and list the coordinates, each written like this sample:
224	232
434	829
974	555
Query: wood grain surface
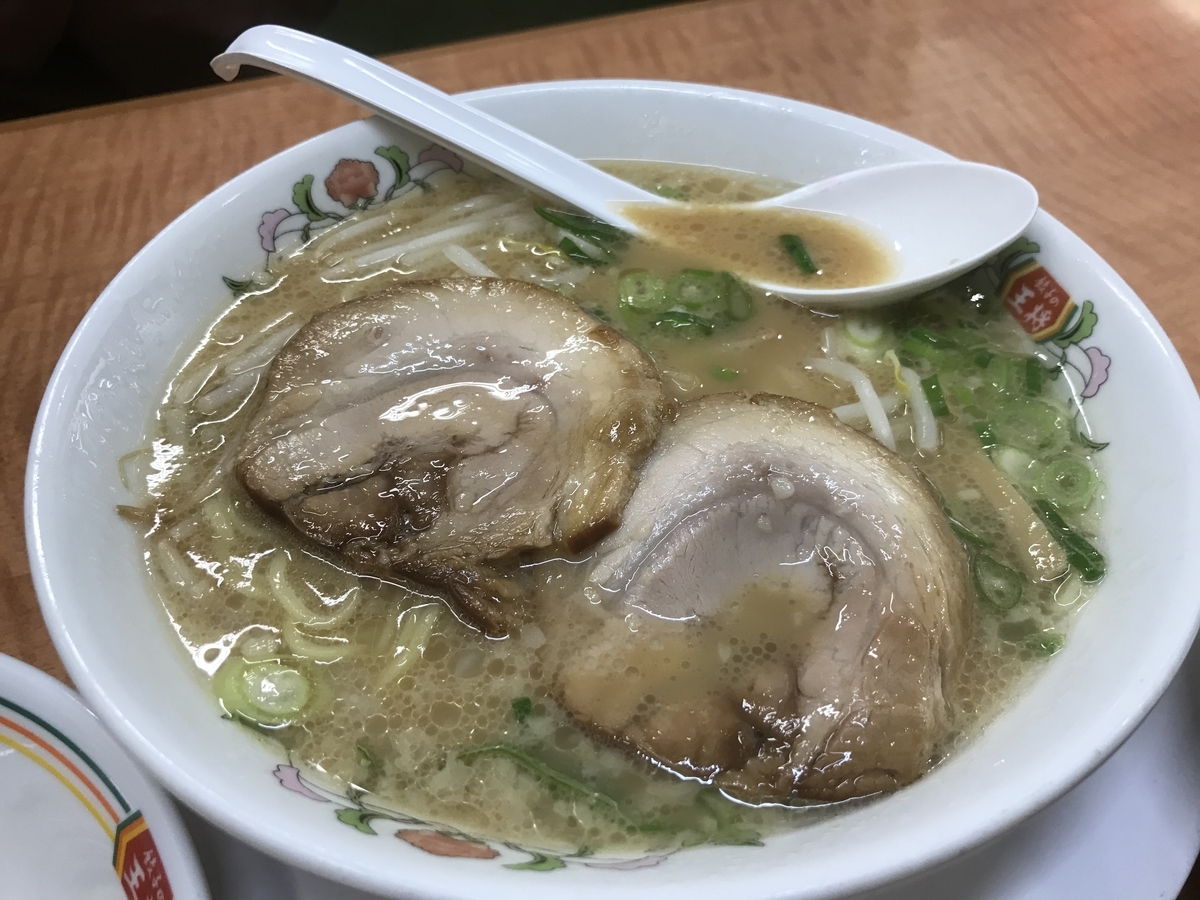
1097	102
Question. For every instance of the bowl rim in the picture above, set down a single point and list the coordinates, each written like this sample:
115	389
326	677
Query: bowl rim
1122	717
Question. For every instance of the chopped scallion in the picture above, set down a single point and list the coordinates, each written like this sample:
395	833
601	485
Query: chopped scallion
933	392
724	373
1085	558
794	247
986	435
1035	376
573	251
738	302
584	226
1035	426
683	324
967	534
642	290
1069	484
699	289
522	708
933	339
864	332
925	344
995	583
1045	643
266	693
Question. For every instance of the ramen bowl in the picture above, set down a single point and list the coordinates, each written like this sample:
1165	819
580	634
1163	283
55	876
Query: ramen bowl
119	647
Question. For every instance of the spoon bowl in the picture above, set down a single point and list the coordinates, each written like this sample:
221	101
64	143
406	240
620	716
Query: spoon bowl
938	219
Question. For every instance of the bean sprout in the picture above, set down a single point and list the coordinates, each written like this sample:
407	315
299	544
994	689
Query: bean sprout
468	263
881	428
925	425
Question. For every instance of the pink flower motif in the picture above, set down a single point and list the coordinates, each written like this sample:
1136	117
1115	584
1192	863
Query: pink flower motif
627	865
438	153
266	229
1100	364
444	845
290	778
352	180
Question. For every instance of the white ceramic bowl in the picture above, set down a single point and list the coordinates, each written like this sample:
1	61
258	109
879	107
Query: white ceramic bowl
119	648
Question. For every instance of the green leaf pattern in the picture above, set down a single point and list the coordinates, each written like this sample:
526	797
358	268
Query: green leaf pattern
302	197
541	862
399	162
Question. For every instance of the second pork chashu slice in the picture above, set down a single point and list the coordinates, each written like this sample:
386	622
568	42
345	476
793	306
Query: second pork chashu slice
436	429
779	613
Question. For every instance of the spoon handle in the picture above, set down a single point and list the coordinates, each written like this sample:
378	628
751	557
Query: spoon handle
433	114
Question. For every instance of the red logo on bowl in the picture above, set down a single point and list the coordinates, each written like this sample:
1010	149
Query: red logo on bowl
1039	303
138	865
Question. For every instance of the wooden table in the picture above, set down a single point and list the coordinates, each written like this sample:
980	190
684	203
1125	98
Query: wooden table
1097	102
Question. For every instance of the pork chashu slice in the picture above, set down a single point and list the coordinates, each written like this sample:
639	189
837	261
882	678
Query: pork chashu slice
435	429
780	611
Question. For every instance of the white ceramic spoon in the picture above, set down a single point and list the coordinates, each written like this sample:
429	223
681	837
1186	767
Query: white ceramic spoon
941	218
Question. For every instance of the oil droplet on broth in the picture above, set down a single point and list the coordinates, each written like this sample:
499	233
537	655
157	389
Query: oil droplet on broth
736	237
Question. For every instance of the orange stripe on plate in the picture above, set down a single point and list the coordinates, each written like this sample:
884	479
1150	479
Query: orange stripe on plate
66	762
62	778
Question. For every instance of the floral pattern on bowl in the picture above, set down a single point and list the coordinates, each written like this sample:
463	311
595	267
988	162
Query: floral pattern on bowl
355	808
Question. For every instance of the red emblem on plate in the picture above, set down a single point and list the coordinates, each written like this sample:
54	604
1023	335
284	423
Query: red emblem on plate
1039	303
138	865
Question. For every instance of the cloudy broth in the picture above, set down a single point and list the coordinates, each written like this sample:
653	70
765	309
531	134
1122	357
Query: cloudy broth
408	704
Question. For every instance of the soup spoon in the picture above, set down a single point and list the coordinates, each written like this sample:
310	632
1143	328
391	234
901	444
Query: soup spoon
938	219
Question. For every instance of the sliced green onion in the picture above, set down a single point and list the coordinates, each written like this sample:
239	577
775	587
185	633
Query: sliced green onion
699	289
982	359
1035	376
967	534
575	252
1006	375
522	708
986	435
724	373
585	226
671	193
933	339
683	324
738	302
1084	557
1034	426
933	392
1069	484
1045	643
929	345
963	395
642	290
995	583
794	247
265	693
864	333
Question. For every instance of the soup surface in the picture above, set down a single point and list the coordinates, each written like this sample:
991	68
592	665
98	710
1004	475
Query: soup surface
375	686
765	245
